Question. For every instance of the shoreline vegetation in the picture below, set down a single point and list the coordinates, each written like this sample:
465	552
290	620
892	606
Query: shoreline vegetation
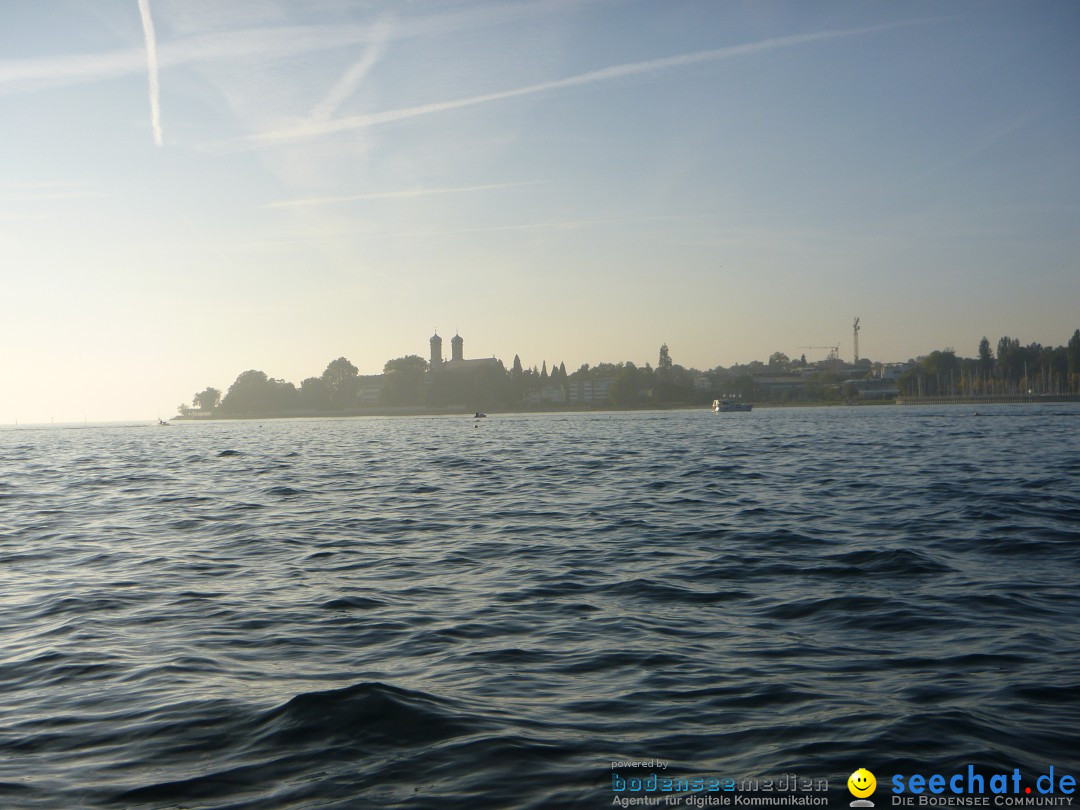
413	386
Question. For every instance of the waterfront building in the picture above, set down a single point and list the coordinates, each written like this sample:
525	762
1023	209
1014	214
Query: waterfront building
588	392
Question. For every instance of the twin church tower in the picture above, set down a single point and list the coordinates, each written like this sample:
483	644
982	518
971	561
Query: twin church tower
457	349
457	361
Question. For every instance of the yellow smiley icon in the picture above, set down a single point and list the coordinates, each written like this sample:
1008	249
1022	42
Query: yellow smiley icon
861	783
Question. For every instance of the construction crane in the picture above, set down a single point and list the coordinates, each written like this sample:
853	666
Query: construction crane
855	331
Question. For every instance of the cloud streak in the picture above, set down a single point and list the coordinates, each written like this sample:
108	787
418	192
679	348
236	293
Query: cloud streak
152	70
389	195
314	128
245	44
352	77
21	75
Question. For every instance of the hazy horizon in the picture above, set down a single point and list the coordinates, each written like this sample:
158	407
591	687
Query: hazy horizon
196	189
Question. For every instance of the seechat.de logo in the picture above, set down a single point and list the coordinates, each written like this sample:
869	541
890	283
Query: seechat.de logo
861	784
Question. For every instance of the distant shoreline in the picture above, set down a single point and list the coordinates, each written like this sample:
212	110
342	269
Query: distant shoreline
422	411
1032	399
992	399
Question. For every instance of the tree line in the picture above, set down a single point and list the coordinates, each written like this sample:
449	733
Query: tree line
1010	370
336	389
405	382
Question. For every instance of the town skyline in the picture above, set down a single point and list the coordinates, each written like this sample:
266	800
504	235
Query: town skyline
203	188
1006	368
813	354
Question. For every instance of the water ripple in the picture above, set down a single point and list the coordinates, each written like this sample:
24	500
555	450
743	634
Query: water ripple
428	612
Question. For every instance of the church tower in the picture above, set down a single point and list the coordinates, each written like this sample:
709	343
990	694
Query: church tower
457	348
436	351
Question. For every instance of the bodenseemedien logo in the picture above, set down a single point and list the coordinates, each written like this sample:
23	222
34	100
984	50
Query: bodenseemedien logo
861	784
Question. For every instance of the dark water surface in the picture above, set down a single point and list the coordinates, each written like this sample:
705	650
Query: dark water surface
428	612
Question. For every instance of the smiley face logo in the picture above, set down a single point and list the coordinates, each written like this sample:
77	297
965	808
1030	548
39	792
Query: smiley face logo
861	783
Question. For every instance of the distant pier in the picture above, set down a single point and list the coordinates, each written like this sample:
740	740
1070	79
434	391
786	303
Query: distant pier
989	399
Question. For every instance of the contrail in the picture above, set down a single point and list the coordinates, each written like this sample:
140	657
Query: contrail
151	67
314	127
348	83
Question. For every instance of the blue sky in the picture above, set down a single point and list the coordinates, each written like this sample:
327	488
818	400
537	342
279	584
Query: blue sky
573	181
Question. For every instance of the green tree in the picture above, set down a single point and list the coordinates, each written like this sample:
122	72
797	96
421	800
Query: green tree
624	389
403	383
942	371
207	400
515	391
490	386
315	394
778	361
1072	354
254	393
247	394
342	381
663	365
1009	362
281	396
986	358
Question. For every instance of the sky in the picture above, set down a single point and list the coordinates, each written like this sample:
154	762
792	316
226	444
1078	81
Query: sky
194	188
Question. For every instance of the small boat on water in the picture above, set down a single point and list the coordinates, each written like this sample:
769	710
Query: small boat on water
730	406
480	415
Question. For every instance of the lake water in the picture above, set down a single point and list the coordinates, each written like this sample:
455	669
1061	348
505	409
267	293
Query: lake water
437	612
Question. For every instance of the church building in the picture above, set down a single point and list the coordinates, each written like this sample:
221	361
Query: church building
457	362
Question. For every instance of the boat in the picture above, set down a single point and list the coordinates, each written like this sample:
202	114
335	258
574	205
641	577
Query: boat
730	406
480	415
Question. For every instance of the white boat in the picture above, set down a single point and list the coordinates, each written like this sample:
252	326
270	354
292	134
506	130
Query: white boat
729	406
